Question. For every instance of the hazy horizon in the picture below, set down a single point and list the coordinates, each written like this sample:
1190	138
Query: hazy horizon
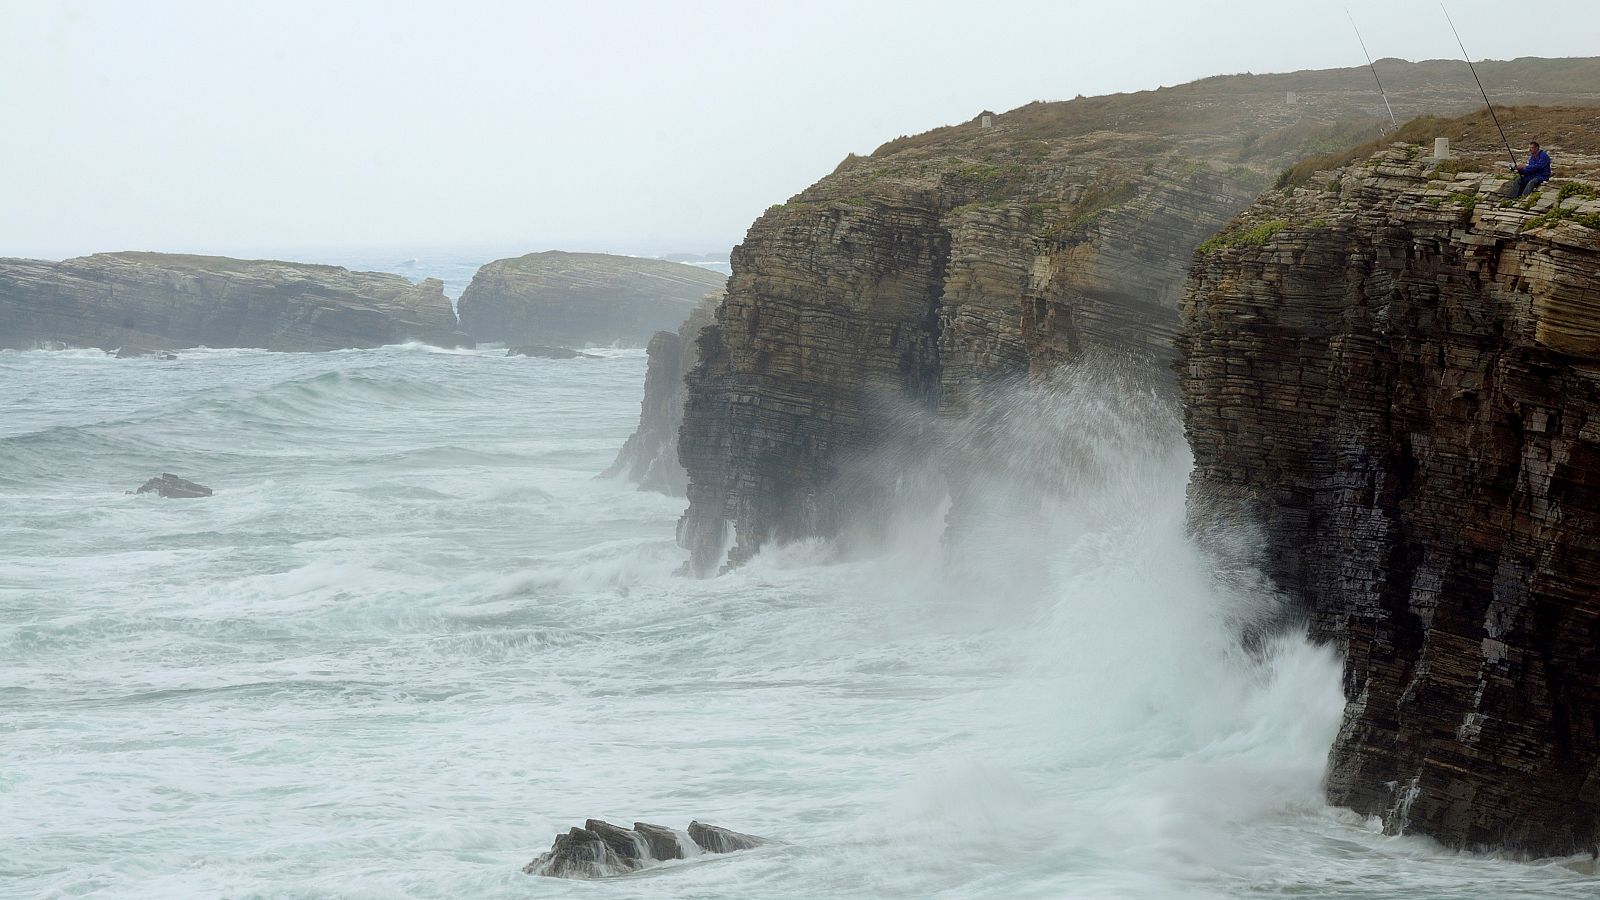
262	131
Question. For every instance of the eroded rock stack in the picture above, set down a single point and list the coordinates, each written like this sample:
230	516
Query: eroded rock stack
1397	370
564	299
890	298
138	300
650	457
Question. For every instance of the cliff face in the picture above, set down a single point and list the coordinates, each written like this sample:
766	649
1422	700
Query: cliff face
887	299
158	300
650	457
581	299
1399	375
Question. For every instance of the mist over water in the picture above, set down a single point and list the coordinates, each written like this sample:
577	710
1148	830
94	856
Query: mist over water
412	637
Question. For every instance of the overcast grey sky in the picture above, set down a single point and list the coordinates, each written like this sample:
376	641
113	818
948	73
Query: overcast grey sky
243	128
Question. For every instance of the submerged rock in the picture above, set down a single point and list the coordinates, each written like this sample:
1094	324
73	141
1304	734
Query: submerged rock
600	849
144	353
170	485
543	352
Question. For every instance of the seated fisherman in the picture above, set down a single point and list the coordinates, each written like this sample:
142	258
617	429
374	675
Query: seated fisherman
1535	173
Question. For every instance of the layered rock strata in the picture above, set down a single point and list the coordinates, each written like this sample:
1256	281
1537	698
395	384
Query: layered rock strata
900	293
139	300
581	299
650	457
1396	371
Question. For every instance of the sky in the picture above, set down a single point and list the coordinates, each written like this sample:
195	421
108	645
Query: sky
256	128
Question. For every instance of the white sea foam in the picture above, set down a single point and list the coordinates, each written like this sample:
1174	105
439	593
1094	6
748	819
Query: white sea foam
411	638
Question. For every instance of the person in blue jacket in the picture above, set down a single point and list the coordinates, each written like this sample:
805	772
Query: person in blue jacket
1535	173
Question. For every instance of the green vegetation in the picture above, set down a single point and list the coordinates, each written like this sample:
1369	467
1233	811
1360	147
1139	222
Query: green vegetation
1415	131
989	180
1244	175
1577	189
1110	191
1559	213
1252	237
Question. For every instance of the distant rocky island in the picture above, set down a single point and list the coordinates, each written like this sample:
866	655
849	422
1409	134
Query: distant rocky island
581	299
1385	362
144	303
172	301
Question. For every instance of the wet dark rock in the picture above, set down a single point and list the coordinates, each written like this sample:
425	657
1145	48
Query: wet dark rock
712	839
662	842
621	841
170	485
600	849
580	853
542	352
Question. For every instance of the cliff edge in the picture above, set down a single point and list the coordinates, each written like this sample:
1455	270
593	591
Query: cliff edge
1396	370
892	297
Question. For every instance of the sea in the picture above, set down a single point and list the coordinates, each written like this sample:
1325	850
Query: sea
413	635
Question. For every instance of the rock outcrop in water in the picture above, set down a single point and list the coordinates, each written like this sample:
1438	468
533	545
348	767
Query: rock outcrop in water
1397	371
171	486
112	300
650	457
541	352
890	298
600	849
581	299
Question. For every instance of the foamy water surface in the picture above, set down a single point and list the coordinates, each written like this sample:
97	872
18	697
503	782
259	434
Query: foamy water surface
412	637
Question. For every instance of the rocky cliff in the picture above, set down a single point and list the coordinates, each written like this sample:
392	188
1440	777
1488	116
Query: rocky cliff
581	299
159	300
1397	371
650	457
891	297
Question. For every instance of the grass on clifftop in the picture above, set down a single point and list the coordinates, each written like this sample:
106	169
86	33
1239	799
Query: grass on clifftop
1572	128
1250	237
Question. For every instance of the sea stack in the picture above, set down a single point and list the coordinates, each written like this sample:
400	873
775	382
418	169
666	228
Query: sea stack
563	299
650	457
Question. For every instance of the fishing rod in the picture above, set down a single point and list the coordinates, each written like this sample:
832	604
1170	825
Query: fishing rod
1480	86
1374	69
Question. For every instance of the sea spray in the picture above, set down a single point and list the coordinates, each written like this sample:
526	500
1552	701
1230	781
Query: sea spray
410	639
